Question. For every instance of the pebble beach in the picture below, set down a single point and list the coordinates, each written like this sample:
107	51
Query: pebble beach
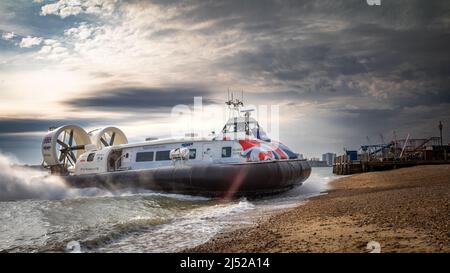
403	210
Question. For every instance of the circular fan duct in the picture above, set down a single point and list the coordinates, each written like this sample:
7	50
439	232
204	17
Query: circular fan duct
108	136
64	145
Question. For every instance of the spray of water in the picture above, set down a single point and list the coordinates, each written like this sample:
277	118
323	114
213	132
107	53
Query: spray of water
18	183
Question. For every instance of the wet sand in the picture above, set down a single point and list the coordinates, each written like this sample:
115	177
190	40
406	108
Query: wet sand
404	210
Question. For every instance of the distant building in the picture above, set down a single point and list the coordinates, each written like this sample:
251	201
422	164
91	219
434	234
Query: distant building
329	158
316	162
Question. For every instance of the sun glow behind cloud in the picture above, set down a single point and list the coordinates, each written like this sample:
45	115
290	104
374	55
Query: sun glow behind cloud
38	92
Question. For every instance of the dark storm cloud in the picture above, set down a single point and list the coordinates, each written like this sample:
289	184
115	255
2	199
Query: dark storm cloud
422	51
334	49
266	12
34	125
403	43
10	126
21	136
362	118
420	122
140	98
385	49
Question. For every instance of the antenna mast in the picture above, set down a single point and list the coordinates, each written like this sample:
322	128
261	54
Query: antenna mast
234	104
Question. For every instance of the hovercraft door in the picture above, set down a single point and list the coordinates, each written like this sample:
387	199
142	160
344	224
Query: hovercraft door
209	152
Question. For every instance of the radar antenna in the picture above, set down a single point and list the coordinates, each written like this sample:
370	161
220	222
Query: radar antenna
234	104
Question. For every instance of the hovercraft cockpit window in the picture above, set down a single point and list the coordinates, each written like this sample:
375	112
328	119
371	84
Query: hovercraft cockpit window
144	156
226	151
229	128
162	155
90	157
192	153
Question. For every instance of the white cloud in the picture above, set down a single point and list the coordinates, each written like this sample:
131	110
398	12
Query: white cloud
81	32
67	11
65	8
50	9
137	41
45	49
53	50
50	41
59	50
30	41
8	35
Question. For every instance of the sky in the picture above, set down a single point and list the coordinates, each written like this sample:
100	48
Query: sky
340	72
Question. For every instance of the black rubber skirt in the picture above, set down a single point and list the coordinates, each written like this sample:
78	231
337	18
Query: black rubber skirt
217	180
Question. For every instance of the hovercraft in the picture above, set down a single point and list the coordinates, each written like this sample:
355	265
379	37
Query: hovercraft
240	161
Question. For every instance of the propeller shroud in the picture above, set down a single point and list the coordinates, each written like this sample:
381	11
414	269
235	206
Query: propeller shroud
62	146
108	136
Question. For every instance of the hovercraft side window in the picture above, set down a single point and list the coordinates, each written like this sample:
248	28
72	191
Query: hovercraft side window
144	156
90	157
162	155
192	153
229	128
226	151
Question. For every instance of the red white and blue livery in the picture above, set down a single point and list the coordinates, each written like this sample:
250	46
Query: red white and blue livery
240	160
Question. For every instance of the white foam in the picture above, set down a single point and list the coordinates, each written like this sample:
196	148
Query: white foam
143	192
191	229
18	183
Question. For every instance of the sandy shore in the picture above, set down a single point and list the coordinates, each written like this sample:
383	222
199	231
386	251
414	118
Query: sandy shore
405	210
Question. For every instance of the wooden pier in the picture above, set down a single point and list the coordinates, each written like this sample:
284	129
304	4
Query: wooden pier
344	166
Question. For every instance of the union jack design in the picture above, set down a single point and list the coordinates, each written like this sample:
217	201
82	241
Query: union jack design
258	150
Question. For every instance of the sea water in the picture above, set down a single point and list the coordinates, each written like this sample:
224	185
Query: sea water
38	214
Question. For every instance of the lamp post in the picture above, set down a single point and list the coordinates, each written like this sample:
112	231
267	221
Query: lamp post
442	146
